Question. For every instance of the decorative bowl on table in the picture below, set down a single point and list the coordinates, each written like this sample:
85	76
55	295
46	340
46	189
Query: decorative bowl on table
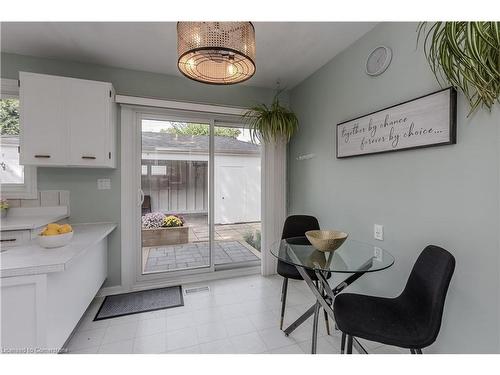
55	235
326	240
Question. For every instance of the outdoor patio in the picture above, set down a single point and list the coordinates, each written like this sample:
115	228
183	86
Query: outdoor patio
230	247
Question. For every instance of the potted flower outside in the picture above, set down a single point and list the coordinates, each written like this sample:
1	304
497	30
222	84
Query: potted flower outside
161	230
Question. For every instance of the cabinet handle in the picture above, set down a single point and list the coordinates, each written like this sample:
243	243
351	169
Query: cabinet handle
42	156
9	240
88	157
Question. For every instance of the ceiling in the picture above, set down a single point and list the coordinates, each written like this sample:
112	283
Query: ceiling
286	51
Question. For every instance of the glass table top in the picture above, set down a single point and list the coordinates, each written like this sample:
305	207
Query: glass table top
352	257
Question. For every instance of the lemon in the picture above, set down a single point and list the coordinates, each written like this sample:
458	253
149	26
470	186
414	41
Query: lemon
66	228
50	232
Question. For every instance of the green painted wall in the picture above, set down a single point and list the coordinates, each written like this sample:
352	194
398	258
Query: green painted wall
448	196
87	203
138	83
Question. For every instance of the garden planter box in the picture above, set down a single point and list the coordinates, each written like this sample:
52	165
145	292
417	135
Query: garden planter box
165	236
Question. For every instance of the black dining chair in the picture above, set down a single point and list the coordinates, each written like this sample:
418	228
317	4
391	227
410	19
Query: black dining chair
146	205
296	226
413	319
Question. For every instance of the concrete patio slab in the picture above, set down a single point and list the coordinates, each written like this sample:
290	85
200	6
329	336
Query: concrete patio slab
173	257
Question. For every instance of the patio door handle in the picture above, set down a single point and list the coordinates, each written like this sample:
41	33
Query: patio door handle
141	197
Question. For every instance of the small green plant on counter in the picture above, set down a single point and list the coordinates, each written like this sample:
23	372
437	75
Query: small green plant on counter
4	204
4	207
253	239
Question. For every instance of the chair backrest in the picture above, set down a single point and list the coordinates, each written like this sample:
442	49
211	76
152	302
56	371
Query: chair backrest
298	225
426	289
146	205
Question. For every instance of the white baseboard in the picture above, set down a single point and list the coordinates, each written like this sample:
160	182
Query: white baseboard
110	290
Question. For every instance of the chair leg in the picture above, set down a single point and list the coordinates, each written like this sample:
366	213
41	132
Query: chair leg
284	289
342	343
416	351
317	310
412	351
349	344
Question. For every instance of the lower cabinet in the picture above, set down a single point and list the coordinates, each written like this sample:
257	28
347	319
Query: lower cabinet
39	312
10	238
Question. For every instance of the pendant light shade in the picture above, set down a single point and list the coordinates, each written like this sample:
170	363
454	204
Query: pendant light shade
220	53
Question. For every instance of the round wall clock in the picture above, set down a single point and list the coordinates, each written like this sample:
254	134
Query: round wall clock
378	60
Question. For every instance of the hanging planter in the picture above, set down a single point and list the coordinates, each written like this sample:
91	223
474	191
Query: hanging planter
466	55
271	124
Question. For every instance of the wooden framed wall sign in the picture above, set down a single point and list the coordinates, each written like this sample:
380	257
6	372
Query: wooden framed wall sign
423	122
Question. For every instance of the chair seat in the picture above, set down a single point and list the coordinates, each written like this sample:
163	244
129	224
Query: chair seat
383	320
290	272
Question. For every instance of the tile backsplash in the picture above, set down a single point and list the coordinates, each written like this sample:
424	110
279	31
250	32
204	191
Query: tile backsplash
46	198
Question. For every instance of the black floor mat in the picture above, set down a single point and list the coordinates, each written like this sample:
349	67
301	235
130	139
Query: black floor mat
138	302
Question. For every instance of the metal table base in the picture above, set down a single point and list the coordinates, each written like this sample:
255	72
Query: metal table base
325	296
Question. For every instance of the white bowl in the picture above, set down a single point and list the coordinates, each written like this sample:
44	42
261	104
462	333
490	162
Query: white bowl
49	242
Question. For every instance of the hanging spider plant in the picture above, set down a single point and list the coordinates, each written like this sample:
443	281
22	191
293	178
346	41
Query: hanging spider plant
271	124
467	55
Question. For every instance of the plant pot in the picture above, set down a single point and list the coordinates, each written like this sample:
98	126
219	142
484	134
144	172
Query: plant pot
165	236
4	212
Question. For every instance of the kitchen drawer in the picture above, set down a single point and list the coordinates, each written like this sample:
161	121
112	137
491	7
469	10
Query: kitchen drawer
14	237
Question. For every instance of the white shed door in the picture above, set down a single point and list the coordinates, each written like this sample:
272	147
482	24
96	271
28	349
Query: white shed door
230	187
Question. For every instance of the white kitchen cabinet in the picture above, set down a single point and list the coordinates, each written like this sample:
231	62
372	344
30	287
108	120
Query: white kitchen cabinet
10	238
43	134
66	122
45	292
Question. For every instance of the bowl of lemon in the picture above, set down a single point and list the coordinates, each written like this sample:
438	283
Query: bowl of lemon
55	235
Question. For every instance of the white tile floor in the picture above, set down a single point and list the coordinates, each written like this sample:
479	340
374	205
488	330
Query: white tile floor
239	315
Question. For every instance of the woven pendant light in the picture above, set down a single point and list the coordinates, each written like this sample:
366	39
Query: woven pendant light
219	53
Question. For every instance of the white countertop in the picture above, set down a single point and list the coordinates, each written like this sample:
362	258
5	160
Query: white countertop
32	218
31	259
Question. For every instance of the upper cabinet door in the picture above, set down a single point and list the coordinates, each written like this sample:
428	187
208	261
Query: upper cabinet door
89	106
66	122
43	134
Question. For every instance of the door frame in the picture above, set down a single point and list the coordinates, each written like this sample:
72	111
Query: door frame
131	272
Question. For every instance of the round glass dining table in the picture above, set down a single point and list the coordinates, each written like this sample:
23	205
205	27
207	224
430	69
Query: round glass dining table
352	257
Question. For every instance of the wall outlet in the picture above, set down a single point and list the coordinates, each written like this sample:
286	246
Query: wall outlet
378	232
103	184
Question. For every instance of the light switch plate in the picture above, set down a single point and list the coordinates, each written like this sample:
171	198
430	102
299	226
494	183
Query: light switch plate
103	184
378	232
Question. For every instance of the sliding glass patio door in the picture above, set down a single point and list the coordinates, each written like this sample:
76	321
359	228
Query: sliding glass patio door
200	196
175	230
237	169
